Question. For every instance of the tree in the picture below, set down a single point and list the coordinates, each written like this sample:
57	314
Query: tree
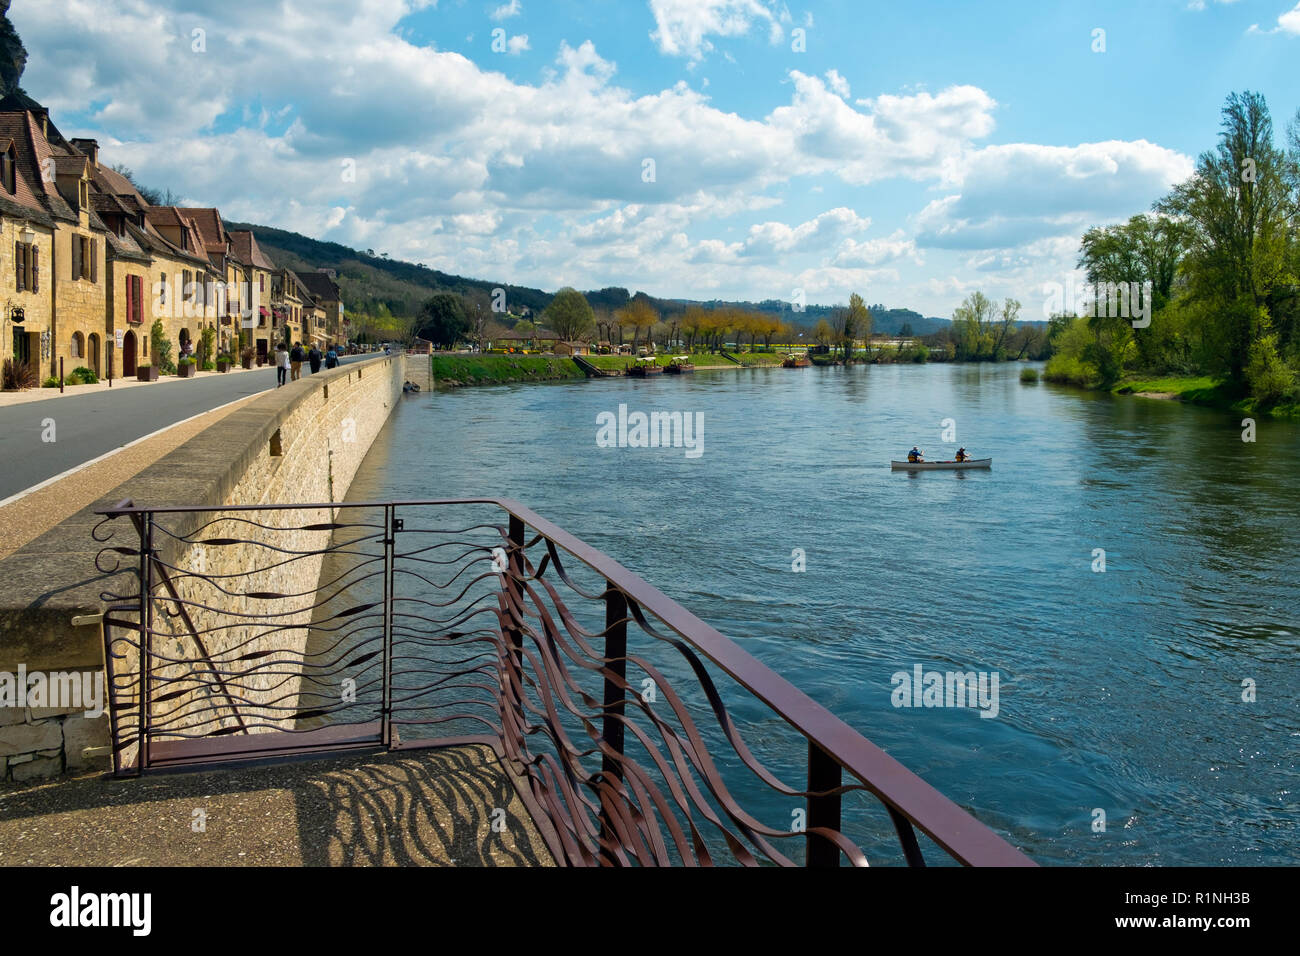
569	314
1237	205
971	324
161	348
857	323
638	315
442	320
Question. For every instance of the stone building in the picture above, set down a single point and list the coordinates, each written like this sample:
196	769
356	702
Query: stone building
258	271
323	288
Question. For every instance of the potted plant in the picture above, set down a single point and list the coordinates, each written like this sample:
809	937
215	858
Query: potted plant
186	367
246	356
224	362
146	373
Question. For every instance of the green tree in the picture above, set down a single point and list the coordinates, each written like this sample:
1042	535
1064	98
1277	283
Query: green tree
569	315
442	320
1239	206
857	324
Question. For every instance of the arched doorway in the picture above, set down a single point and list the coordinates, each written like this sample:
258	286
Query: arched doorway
92	353
128	354
77	351
184	340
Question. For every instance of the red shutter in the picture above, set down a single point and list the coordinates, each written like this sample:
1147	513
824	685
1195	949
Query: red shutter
130	299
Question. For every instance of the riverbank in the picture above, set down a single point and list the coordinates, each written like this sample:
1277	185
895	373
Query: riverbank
1204	391
455	371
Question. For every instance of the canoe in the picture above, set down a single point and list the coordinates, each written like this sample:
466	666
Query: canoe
941	465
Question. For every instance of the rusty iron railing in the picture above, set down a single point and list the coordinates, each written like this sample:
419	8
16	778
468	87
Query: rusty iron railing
633	730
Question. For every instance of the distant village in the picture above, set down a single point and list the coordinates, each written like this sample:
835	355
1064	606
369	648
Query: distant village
95	277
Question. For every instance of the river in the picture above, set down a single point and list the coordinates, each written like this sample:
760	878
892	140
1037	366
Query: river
1119	690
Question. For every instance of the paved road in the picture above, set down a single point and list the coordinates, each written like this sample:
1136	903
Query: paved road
86	427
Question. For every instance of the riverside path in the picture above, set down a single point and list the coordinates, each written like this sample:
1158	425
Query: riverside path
86	427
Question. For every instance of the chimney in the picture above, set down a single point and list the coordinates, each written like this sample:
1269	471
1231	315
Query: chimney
90	148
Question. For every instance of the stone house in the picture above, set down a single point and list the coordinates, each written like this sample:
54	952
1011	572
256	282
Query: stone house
48	176
324	290
257	270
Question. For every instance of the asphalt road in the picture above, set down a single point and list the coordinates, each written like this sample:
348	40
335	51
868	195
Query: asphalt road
86	427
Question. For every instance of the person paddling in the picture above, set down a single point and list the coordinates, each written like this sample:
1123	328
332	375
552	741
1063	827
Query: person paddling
961	454
915	454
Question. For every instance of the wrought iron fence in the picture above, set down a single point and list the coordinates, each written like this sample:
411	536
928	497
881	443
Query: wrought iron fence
627	722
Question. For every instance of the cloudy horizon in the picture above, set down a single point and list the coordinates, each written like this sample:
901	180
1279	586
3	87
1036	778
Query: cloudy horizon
738	149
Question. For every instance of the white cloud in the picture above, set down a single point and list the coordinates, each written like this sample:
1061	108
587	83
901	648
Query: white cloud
683	27
1289	22
507	10
517	44
837	83
1017	193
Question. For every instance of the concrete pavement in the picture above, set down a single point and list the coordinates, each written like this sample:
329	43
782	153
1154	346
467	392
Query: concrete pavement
86	426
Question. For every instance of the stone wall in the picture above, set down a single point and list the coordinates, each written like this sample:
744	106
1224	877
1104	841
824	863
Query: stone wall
321	427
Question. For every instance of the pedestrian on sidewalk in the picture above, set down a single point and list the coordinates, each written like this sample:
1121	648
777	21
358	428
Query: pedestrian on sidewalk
296	357
332	358
281	364
314	358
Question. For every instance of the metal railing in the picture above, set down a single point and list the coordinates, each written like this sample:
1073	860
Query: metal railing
628	724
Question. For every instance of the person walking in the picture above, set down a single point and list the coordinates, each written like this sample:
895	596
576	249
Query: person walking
296	356
314	358
332	358
281	364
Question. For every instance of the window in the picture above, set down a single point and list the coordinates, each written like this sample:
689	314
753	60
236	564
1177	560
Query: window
82	194
77	349
27	266
135	299
187	285
162	289
8	168
85	252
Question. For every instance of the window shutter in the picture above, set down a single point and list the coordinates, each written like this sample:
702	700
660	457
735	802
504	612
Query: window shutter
130	298
76	257
94	260
18	264
34	263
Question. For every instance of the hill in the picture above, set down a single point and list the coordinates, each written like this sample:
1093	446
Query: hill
373	283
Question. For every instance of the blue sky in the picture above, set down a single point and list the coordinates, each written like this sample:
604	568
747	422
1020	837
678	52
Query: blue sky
910	152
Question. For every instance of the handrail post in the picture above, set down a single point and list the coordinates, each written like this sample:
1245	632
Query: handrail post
824	810
146	629
611	765
385	711
514	633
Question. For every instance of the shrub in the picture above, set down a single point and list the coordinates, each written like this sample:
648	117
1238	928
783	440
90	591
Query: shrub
17	375
1029	376
50	382
1069	370
1271	380
207	338
186	360
209	366
225	357
162	349
83	376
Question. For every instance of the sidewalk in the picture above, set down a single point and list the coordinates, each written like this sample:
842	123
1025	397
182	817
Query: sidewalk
412	808
41	394
38	511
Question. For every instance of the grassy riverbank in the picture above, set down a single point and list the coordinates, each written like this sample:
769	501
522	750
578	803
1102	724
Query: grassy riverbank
1202	390
457	370
698	359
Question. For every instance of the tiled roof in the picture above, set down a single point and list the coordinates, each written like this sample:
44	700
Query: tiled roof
211	230
244	247
321	286
31	151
